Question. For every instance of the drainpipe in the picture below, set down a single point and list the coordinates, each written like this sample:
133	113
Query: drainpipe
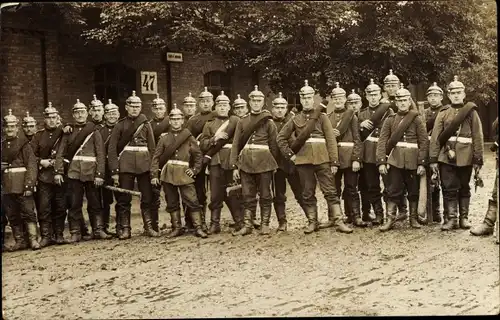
5	6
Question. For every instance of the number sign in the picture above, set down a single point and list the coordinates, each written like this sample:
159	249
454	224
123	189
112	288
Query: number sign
149	82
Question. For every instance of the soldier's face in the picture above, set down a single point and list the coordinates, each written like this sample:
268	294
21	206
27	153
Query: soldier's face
97	113
374	98
240	110
112	117
51	120
338	102
206	104
159	111
307	102
256	103
354	105
133	110
391	89
456	96
222	108
434	99
189	109
29	129
176	122
279	110
403	104
11	130
80	115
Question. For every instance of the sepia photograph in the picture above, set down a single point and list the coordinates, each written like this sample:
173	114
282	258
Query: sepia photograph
215	159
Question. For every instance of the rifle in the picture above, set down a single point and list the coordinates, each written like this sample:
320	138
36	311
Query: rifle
478	181
424	207
231	188
121	190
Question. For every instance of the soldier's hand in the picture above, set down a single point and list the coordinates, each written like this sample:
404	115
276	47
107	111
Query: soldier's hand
356	166
116	180
367	124
336	132
293	158
27	193
476	167
155	181
382	169
189	172
384	100
45	163
67	129
58	179
220	135
236	175
98	181
420	170
334	169
435	167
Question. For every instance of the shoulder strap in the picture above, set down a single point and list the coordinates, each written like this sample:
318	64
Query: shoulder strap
400	130
128	135
378	116
83	144
253	126
229	127
345	121
299	142
170	149
79	138
455	124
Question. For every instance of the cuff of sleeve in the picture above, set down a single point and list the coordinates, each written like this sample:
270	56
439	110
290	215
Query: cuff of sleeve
29	188
234	167
335	163
478	161
115	171
290	154
381	161
433	159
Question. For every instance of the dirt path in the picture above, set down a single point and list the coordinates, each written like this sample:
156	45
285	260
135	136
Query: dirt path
403	272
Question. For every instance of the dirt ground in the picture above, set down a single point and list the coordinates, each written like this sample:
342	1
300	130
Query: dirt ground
403	272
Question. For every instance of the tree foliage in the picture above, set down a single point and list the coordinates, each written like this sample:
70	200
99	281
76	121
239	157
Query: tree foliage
324	42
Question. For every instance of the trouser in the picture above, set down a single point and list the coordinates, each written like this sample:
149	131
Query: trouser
350	193
402	202
455	181
188	195
365	201
219	180
52	209
108	197
310	175
400	180
19	209
155	205
124	200
77	189
371	179
435	196
201	193
253	183
280	179
495	188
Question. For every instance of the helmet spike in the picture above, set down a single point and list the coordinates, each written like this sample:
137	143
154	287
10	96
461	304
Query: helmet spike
189	94
238	96
27	113
50	104
95	97
390	71
337	85
256	88
175	106
372	82
401	86
157	96
221	93
306	83
10	112
206	89
280	94
434	84
77	100
353	91
109	101
455	78
133	92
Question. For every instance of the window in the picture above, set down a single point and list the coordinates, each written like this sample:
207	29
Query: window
114	81
217	81
293	100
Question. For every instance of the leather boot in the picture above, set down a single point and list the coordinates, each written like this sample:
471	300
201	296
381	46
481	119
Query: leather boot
33	236
247	224
148	224
203	214
59	231
414	215
18	234
46	235
463	205
125	226
236	213
379	213
175	219
265	217
197	223
445	211
452	209
255	222
85	234
365	209
312	217
355	212
99	232
330	222
188	223
488	224
106	217
215	221
392	207
280	209
337	218
436	211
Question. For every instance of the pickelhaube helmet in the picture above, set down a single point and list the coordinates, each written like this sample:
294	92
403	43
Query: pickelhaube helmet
338	91
189	99
279	100
402	92
239	101
222	98
110	107
175	111
306	89
434	89
78	105
256	92
455	84
134	100
158	101
353	96
206	94
372	87
391	78
10	118
28	120
50	110
95	102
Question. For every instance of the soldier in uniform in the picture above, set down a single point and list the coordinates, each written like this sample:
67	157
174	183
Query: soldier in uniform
486	227
216	143
111	116
51	197
371	120
456	148
401	156
195	125
81	159
19	171
160	125
253	158
434	97
97	111
346	131
189	106
240	108
130	150
179	157
315	155
286	170
29	126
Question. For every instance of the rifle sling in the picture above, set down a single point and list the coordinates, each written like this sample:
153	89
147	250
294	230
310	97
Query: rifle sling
376	118
400	130
128	135
74	145
170	149
230	133
345	122
255	123
299	142
451	129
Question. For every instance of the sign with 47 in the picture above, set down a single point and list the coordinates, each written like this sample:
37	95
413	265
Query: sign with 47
149	82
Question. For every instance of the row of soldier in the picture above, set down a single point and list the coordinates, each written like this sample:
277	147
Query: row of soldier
344	151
